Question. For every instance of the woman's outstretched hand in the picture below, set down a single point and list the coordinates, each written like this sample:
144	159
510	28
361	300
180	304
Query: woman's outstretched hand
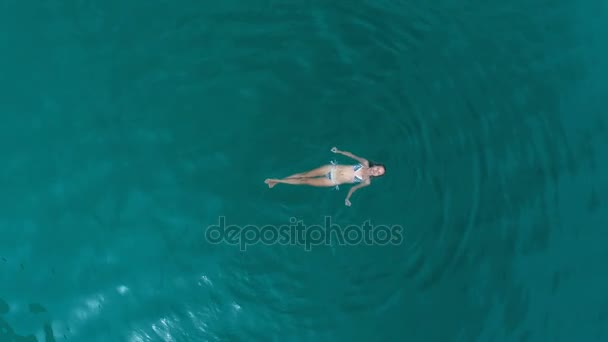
347	202
334	149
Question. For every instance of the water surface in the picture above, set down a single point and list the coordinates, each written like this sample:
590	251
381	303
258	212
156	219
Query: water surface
127	128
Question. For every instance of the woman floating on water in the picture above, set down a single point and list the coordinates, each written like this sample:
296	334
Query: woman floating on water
333	175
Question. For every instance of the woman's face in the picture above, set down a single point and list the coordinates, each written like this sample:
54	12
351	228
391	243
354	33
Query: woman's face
376	171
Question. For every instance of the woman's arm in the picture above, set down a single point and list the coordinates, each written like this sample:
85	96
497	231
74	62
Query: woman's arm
353	189
363	161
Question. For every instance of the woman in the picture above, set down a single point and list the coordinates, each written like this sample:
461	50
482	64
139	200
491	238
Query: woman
333	175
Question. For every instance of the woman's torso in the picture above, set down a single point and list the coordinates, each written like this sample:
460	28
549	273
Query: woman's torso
348	173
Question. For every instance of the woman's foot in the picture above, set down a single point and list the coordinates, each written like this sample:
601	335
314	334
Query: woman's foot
271	182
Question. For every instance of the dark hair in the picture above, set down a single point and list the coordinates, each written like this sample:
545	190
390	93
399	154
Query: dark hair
372	164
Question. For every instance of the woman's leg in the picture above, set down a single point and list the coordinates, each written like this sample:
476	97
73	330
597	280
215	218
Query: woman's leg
320	171
320	182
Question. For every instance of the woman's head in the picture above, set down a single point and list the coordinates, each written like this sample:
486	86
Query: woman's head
376	169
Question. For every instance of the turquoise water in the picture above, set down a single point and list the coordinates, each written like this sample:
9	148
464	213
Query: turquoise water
127	128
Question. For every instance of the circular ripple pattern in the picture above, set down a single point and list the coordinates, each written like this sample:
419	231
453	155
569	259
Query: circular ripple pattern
469	162
462	116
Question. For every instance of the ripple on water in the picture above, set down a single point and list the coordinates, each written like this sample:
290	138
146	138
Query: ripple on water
481	153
